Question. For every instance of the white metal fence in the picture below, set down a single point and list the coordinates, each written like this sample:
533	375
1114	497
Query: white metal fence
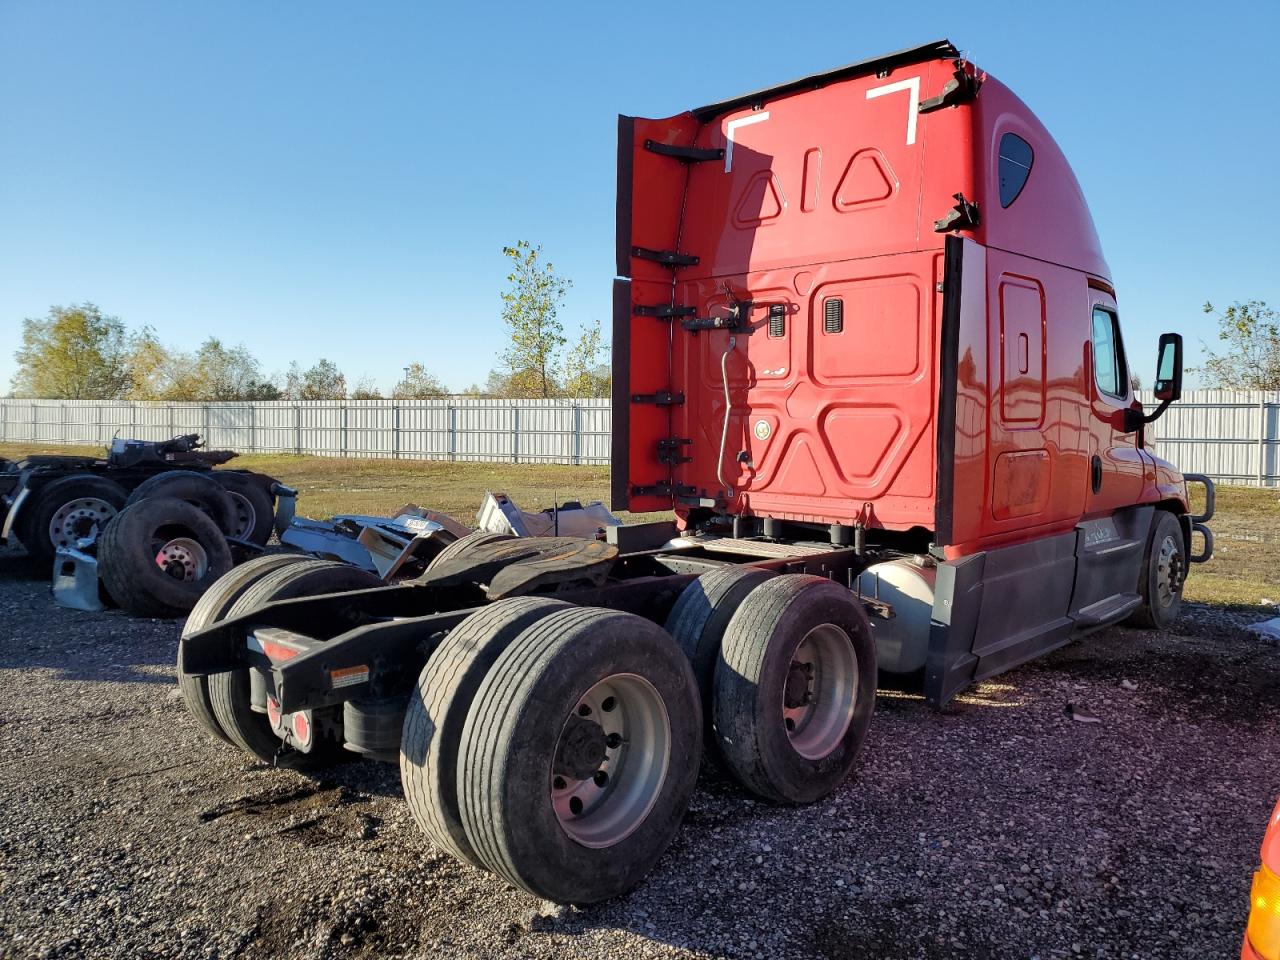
513	431
1233	436
1230	435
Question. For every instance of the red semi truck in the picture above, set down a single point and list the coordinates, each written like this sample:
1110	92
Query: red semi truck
867	350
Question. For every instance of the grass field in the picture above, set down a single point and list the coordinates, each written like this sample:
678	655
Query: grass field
1245	568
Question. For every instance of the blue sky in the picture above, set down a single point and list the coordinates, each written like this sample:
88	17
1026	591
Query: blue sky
338	180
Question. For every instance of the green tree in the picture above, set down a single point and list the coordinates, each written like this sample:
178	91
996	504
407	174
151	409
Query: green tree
586	370
74	353
418	383
1250	333
323	381
529	308
219	373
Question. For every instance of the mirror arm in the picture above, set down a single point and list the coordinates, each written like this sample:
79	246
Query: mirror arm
1156	413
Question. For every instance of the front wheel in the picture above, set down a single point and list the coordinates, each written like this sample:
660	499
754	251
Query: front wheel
1164	571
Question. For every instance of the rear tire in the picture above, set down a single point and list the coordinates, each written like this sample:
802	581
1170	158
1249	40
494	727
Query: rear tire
794	688
701	615
1164	570
66	511
229	692
211	608
438	711
152	532
579	755
255	511
198	489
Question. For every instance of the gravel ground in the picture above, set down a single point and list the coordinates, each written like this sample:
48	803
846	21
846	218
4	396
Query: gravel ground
998	828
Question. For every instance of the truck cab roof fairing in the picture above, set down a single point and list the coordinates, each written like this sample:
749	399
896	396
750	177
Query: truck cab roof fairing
937	50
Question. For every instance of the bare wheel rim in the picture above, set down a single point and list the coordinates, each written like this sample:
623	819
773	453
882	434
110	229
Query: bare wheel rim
611	760
1168	571
183	559
246	516
79	519
820	691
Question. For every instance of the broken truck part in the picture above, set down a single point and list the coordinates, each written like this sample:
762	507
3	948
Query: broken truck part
875	369
49	502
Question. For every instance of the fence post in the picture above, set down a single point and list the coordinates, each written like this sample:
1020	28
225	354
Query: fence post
453	432
1262	440
577	433
172	432
515	434
395	429
205	412
344	429
297	428
253	427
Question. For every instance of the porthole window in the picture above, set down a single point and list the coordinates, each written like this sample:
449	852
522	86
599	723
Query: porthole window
1016	158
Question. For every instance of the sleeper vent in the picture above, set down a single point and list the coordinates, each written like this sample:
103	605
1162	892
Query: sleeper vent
833	315
778	320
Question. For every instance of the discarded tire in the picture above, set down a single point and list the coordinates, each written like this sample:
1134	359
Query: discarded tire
198	489
156	557
66	511
701	615
254	507
464	545
1164	571
794	688
230	692
438	709
579	755
209	609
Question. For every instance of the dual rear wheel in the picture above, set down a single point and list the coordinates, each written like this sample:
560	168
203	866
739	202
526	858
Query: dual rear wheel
558	746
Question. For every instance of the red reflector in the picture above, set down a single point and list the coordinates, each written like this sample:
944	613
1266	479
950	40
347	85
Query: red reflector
301	729
277	651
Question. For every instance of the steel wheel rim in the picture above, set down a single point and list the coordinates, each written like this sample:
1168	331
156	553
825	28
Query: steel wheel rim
79	519
820	691
1168	571
183	559
246	516
608	804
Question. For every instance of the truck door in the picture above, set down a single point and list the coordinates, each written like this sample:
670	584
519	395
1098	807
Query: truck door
1116	465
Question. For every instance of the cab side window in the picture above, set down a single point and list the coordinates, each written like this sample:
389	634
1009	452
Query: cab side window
1109	368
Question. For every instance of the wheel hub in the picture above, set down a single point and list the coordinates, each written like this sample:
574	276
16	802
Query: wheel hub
610	760
582	749
79	519
799	686
183	559
1170	571
820	691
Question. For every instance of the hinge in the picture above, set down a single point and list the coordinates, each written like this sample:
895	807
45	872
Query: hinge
662	399
664	490
668	258
662	311
963	216
669	450
962	88
684	154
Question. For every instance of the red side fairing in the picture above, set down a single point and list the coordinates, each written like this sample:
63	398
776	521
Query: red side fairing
822	195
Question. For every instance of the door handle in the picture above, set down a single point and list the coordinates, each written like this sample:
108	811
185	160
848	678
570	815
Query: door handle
1095	472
